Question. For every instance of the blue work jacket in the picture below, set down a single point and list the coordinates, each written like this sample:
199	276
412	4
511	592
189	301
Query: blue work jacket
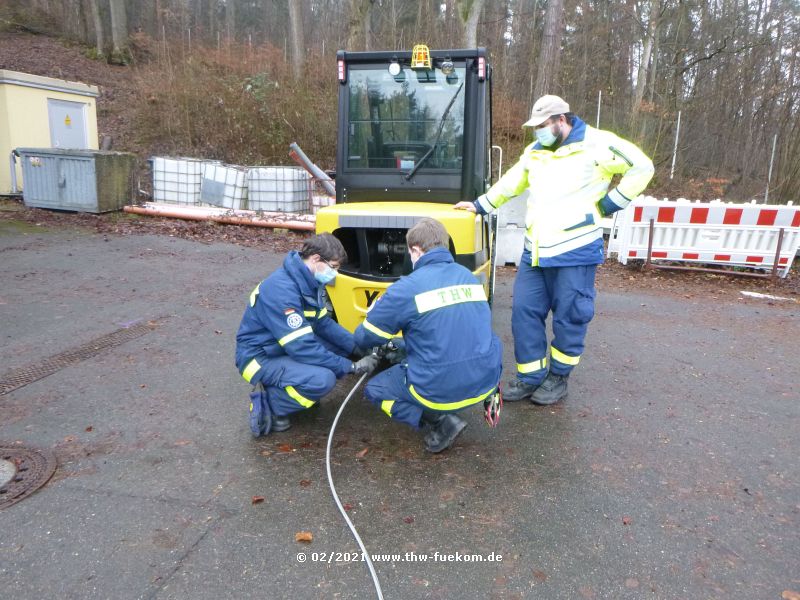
286	315
454	357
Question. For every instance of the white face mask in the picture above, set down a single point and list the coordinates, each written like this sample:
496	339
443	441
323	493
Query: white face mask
545	136
327	275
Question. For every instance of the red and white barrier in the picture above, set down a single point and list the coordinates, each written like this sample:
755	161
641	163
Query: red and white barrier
744	235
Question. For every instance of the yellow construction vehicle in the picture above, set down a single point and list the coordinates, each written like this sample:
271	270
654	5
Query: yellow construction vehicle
414	138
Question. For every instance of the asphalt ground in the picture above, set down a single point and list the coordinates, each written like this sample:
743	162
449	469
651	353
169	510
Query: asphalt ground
670	471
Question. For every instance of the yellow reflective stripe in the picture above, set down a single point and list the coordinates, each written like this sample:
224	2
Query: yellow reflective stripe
447	296
386	406
301	400
556	354
370	327
309	313
295	334
536	365
254	295
322	313
250	370
449	405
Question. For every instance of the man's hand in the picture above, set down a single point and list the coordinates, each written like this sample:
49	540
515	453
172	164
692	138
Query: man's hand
365	365
465	206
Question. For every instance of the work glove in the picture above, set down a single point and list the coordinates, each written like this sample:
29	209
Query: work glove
365	365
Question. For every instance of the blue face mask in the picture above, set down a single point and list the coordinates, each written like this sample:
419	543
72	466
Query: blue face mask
545	136
327	276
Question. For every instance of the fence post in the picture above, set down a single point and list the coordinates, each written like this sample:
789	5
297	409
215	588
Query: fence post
599	100
675	148
769	174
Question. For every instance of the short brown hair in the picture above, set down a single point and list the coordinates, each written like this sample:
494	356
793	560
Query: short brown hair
427	234
327	246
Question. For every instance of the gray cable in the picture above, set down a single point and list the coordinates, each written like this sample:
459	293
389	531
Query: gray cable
365	554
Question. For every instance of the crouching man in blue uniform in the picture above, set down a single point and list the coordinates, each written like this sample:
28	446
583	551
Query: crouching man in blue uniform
454	359
287	345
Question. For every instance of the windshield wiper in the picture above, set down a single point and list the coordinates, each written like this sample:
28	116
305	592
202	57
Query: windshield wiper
427	155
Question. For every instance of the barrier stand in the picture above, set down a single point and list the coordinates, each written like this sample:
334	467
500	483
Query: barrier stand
771	275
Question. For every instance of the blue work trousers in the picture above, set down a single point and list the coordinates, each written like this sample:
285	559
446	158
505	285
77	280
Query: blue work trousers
388	391
292	386
567	292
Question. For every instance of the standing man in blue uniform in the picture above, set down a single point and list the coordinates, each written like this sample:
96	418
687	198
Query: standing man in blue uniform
568	171
287	345
454	359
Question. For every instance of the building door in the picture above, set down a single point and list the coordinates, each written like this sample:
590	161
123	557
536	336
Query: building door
67	124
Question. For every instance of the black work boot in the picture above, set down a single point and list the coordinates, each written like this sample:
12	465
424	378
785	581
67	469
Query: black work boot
517	390
280	423
444	431
553	389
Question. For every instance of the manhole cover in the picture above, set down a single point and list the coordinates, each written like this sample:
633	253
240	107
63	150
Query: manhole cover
22	472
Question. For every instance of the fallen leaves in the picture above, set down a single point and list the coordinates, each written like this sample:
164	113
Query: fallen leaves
362	453
257	500
790	595
408	520
627	520
540	576
286	448
305	482
89	429
303	536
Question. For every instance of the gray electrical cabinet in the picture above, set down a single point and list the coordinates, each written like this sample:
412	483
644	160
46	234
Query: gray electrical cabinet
92	181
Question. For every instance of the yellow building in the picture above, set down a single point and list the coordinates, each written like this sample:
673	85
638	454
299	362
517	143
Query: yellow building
42	112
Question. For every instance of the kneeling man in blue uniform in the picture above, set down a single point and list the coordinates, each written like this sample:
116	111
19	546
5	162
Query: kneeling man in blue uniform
287	345
454	359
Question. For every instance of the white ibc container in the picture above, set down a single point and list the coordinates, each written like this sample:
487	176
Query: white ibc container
279	189
177	180
224	185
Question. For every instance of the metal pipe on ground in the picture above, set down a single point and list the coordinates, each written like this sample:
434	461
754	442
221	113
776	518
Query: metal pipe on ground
272	220
300	157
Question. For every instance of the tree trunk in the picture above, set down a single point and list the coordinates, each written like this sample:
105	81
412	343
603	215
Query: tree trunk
98	28
359	13
642	75
119	32
230	20
550	53
298	40
470	12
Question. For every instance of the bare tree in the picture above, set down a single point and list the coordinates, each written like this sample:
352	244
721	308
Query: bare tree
642	74
547	76
230	19
119	32
298	39
359	14
98	28
470	12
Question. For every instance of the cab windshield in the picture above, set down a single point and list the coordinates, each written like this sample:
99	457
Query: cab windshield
396	120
